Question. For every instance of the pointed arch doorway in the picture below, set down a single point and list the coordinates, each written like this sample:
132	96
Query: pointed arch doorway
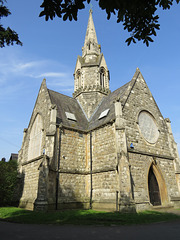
156	186
154	193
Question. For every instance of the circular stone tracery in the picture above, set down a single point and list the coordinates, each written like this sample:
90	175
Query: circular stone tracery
148	127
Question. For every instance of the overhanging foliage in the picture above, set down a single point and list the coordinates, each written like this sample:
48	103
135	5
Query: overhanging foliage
138	17
7	35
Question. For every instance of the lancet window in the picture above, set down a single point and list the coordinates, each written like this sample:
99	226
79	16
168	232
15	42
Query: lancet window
102	77
35	140
78	78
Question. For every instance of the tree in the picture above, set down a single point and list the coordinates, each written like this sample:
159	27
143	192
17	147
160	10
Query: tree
138	16
7	35
8	182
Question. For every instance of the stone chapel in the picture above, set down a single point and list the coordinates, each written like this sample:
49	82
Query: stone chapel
98	149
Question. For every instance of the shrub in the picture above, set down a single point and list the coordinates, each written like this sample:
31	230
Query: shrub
8	182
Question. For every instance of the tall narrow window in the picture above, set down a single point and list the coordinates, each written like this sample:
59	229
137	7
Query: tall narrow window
35	140
102	77
78	77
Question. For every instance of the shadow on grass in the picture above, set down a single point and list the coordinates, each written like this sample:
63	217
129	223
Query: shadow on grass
84	217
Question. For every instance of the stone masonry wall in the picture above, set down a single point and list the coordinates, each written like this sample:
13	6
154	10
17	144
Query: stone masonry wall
140	165
141	99
72	188
29	167
42	107
104	162
90	76
167	169
104	148
73	151
30	174
105	187
74	182
73	174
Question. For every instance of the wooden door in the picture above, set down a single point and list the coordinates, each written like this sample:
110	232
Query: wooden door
154	193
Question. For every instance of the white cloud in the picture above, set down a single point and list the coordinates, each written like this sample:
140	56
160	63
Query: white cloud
52	74
22	66
13	66
19	73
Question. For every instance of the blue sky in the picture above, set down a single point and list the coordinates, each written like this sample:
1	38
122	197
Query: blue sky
50	50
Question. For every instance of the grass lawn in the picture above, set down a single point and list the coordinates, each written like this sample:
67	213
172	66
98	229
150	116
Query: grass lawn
83	217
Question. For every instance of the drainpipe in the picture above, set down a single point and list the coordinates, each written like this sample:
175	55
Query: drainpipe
58	167
117	202
91	170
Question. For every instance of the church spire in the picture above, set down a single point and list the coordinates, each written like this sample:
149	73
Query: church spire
91	46
91	75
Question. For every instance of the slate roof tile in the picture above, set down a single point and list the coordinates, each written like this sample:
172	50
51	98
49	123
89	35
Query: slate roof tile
68	104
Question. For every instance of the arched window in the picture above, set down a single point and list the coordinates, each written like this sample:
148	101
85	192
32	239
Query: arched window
102	77
35	140
78	77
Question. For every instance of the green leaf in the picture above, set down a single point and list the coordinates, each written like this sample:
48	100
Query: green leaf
70	17
65	17
129	40
149	39
74	14
42	14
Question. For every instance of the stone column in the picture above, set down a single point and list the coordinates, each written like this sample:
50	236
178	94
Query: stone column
123	167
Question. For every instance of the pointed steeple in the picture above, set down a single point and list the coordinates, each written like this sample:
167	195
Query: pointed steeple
91	46
90	32
91	75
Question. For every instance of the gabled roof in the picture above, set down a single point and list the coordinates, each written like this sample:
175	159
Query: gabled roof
103	114
107	103
70	105
67	104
